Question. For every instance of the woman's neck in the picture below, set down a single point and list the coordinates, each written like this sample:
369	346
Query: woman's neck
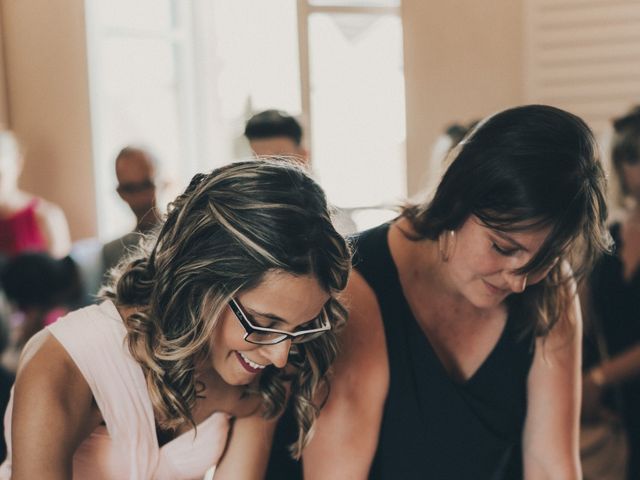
427	282
420	263
12	201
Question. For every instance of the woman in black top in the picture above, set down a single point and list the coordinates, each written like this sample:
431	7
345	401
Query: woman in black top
461	357
615	300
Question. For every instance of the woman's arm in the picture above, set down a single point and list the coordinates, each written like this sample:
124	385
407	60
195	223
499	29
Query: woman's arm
551	434
53	412
618	369
54	227
247	452
347	429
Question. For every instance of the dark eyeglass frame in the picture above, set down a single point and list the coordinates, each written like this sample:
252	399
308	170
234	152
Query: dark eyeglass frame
136	187
295	337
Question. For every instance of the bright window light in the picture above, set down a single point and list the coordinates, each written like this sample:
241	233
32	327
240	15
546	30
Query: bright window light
183	78
357	107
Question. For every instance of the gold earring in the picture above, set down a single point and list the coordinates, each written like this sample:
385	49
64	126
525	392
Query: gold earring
446	244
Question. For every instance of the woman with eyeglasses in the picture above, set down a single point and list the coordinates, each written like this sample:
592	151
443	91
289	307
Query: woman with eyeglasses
461	357
226	314
611	382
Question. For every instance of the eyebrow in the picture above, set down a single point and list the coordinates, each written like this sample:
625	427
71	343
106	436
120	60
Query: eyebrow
507	238
275	318
269	316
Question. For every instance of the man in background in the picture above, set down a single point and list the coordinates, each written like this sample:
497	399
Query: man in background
274	132
136	171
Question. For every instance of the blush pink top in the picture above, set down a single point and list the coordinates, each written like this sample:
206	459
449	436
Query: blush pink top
127	447
20	232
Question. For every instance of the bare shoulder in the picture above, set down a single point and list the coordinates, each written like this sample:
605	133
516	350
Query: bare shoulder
362	342
346	432
46	209
53	224
47	372
53	412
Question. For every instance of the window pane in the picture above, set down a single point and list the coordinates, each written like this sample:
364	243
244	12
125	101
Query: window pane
256	44
139	105
137	14
357	107
137	63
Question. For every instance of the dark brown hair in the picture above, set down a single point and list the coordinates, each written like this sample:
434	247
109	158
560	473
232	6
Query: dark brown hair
520	169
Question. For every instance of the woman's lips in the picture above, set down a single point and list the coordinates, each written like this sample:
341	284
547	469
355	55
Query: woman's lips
245	365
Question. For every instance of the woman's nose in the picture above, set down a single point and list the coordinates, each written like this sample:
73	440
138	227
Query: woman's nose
517	282
277	354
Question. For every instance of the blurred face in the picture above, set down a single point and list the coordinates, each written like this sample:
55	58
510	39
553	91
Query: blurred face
483	262
278	146
136	182
281	301
631	173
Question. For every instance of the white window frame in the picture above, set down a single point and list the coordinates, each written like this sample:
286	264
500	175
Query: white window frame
190	112
305	10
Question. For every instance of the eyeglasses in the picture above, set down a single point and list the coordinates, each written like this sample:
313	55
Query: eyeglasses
270	336
136	187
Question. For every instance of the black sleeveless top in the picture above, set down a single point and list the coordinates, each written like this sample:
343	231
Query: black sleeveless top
433	426
616	302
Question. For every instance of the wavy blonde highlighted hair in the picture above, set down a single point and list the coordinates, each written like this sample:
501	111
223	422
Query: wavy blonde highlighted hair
220	237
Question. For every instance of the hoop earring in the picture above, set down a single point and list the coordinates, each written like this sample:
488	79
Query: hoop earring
446	244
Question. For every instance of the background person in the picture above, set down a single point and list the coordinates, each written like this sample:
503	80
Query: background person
613	384
39	289
274	133
27	222
136	171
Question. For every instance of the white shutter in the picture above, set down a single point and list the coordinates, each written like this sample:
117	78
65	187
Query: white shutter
583	56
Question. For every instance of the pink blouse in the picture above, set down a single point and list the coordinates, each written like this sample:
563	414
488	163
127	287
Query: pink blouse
20	232
127	446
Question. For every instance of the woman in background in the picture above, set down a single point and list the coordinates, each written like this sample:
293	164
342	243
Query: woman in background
27	222
40	289
193	335
614	294
461	358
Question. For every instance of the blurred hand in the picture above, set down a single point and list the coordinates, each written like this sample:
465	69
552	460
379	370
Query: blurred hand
592	407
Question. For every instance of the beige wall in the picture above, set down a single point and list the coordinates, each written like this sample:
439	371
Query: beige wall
4	113
463	59
48	101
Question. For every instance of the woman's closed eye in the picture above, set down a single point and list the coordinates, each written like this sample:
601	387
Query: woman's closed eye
507	252
279	325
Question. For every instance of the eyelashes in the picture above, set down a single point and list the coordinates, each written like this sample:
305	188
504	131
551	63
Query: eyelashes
507	252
